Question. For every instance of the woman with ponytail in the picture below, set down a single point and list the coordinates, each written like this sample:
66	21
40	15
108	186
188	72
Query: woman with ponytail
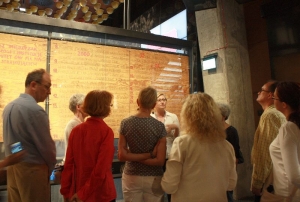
285	149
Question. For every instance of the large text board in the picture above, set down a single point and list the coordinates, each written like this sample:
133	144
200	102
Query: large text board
80	67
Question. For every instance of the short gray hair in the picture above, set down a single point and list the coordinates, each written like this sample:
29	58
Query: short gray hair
225	110
75	100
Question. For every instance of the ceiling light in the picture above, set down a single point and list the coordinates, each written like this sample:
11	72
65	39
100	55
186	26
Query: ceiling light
94	17
33	9
93	1
41	12
9	7
49	11
99	11
85	9
115	4
97	6
87	18
15	4
83	3
67	3
100	20
88	14
59	5
109	10
104	16
57	15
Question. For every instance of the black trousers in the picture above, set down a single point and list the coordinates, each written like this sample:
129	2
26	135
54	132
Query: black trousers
257	198
164	168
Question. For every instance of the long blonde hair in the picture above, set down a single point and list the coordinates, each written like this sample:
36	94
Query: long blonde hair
201	118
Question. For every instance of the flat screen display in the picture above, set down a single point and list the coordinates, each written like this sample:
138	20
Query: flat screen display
175	27
209	63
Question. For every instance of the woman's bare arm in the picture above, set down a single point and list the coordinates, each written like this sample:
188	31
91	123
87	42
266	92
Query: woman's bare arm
125	155
159	159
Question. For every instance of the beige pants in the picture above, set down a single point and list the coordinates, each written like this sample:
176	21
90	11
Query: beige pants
27	182
142	188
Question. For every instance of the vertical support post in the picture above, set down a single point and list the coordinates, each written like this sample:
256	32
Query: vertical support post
48	66
126	14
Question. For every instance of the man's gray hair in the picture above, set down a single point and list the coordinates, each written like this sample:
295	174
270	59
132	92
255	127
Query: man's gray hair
75	100
225	110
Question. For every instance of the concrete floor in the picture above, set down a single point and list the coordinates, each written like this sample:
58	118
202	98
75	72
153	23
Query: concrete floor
250	199
56	197
242	200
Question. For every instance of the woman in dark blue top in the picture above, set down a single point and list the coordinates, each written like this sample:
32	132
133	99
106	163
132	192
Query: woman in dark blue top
232	137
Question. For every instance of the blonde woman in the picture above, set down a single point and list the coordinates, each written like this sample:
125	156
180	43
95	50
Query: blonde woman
201	165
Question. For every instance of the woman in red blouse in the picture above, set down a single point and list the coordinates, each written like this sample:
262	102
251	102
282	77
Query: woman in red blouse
87	173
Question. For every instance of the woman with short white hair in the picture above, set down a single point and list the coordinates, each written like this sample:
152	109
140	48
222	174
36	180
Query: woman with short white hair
232	137
75	105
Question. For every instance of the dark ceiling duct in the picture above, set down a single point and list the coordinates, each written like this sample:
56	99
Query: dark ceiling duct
243	1
278	7
197	5
106	2
45	3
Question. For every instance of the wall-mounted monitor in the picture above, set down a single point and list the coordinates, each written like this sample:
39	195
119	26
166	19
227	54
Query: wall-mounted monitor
175	27
209	62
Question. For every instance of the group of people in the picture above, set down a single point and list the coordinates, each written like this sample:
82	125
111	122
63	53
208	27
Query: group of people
191	161
276	149
148	140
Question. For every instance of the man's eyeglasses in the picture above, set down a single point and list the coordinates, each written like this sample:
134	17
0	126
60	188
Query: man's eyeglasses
267	91
273	98
46	86
162	100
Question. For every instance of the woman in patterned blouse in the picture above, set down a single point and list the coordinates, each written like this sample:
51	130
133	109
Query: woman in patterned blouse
142	144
